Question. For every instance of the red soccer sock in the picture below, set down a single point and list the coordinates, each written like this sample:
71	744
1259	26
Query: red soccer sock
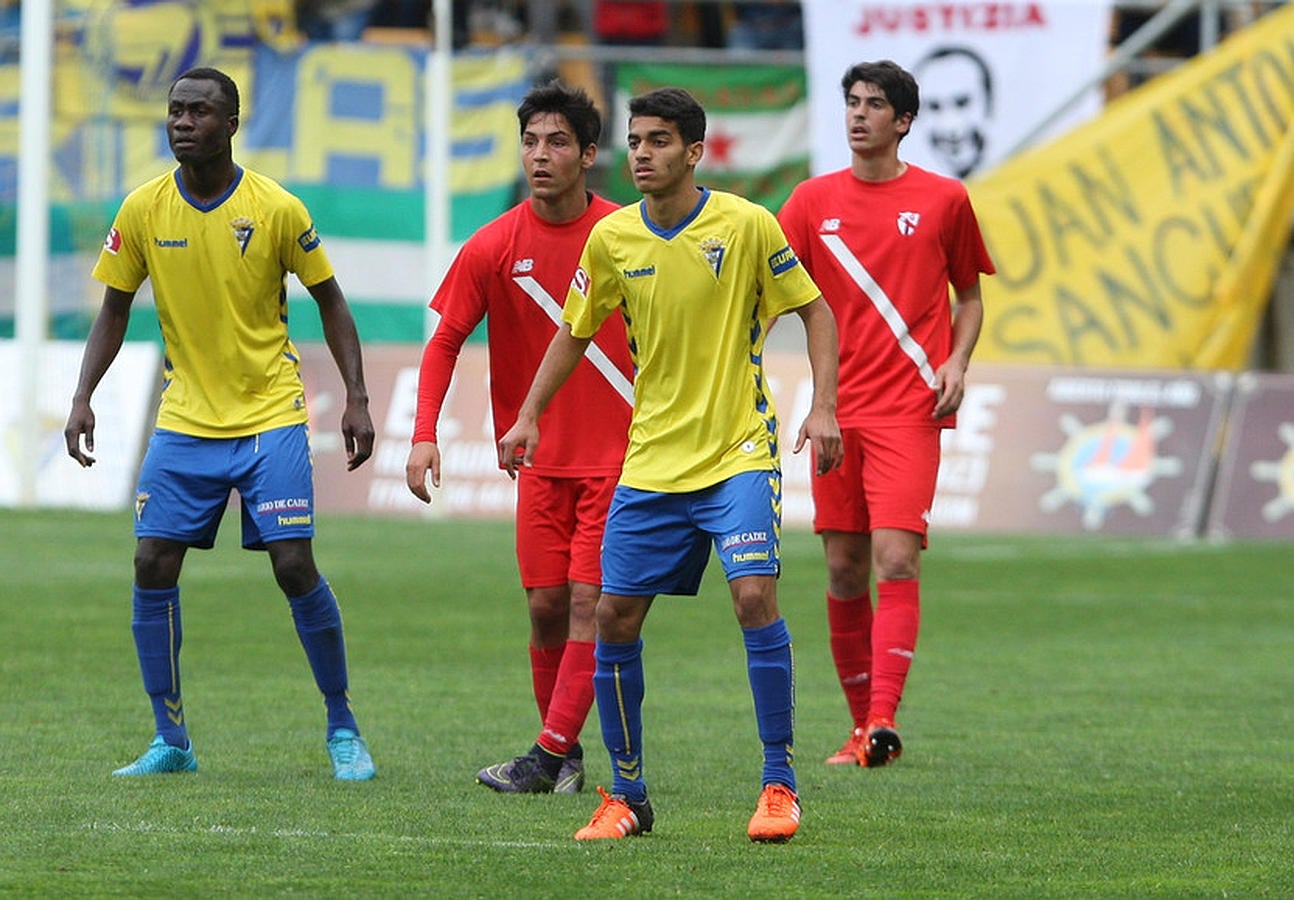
850	626
894	641
544	663
572	699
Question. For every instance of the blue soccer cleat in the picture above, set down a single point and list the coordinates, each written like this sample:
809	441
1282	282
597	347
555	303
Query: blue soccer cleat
350	757
161	758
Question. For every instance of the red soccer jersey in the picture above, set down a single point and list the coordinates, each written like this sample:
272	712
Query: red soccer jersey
515	272
884	254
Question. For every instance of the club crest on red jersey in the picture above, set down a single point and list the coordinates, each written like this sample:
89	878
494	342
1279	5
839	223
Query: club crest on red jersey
908	222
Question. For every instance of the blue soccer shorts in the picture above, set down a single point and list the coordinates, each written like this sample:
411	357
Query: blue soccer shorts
659	543
185	481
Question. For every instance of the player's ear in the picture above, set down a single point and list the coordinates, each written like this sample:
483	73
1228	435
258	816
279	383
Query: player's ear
232	125
695	151
588	156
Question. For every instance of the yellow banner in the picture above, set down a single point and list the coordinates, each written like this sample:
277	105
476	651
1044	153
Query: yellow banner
1150	236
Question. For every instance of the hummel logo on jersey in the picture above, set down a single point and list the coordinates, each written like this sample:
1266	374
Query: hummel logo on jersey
171	242
522	266
243	229
908	222
829	225
640	273
112	243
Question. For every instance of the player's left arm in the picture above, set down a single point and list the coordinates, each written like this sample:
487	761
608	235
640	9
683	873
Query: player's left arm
820	427
343	342
950	378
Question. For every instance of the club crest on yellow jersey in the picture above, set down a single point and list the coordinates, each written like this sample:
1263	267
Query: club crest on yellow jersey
243	228
713	249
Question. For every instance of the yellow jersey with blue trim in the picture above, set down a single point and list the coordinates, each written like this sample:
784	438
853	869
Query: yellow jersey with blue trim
697	301
218	272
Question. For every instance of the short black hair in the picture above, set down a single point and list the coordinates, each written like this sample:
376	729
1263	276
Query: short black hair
228	90
673	105
562	99
895	82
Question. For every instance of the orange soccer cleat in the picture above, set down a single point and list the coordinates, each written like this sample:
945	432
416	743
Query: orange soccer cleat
617	817
777	817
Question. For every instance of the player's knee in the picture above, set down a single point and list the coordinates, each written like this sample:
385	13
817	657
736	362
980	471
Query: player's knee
157	564
897	565
548	605
294	567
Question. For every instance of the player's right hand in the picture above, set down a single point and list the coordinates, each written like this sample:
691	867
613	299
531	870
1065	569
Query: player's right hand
424	458
517	447
80	422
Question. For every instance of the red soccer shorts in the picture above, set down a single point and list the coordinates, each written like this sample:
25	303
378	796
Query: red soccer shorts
559	528
885	480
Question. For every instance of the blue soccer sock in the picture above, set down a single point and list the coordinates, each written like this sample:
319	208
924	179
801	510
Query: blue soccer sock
772	683
318	621
155	623
618	686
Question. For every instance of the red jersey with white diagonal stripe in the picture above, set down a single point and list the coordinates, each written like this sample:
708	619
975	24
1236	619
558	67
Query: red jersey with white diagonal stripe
884	254
514	273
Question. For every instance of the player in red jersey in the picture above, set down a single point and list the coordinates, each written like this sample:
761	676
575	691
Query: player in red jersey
884	240
515	272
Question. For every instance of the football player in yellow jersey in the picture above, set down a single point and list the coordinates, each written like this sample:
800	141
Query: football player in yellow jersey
217	242
698	276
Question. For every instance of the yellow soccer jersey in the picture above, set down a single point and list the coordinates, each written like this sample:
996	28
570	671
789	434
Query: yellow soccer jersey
697	301
218	273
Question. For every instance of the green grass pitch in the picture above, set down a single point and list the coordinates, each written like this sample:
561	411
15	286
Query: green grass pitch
1085	716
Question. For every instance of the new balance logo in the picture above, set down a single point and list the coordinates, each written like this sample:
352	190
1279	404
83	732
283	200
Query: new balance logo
830	225
522	265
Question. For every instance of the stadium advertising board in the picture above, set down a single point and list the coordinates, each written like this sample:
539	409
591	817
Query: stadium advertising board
1042	450
1059	450
472	485
124	406
1254	496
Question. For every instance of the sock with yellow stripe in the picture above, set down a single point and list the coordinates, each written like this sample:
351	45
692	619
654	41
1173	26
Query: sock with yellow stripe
618	685
155	622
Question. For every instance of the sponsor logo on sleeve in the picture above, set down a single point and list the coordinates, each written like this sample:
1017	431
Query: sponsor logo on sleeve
309	239
580	282
783	261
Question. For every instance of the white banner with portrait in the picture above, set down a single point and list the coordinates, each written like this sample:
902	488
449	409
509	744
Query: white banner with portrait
989	73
